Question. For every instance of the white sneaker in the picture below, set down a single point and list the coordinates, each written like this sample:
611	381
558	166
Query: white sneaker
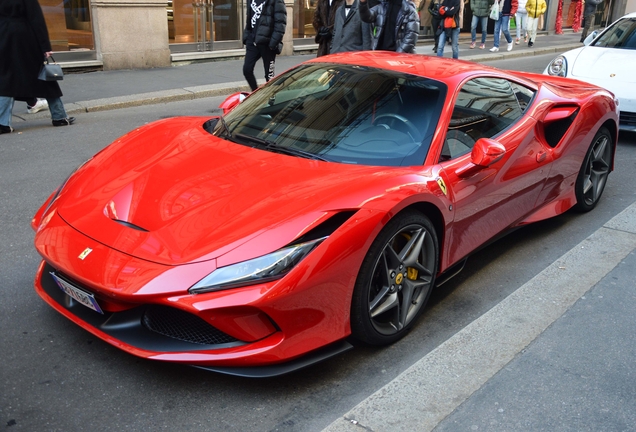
41	104
510	45
494	49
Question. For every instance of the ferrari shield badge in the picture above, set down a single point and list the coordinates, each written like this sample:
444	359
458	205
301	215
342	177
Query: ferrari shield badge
442	185
85	253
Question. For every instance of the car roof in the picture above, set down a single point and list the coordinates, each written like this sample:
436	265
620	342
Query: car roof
439	68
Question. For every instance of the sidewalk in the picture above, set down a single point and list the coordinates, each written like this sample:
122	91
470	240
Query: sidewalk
105	90
555	355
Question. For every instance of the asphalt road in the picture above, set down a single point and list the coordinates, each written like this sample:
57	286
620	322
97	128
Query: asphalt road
55	376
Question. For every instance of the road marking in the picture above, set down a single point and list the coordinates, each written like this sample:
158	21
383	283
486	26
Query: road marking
431	389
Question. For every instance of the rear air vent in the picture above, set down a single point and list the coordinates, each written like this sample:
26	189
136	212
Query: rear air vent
555	130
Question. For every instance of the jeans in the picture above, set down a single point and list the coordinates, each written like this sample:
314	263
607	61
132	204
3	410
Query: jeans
473	28
57	108
521	19
502	25
454	43
6	107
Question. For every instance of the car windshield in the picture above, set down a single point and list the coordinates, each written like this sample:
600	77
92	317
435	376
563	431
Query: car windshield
340	113
621	35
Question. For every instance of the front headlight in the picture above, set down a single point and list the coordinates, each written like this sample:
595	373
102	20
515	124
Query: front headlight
558	67
258	270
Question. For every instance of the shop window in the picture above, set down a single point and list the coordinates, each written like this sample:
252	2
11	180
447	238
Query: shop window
69	24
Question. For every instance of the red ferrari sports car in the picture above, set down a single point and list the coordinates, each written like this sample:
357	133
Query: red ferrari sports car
325	206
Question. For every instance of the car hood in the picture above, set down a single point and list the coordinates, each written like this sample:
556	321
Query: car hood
602	64
172	193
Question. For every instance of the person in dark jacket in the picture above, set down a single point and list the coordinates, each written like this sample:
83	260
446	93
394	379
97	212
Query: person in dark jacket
395	25
24	44
436	19
507	8
350	33
449	27
263	37
324	19
588	16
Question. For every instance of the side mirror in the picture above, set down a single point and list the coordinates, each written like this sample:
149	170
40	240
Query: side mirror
232	100
588	40
485	153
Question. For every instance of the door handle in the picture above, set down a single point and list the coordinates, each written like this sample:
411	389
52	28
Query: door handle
541	156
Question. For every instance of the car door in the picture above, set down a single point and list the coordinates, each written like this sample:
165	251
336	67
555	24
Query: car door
490	199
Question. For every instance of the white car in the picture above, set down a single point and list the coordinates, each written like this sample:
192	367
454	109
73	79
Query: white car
608	60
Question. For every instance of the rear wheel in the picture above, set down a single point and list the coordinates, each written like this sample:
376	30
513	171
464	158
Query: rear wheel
395	280
594	172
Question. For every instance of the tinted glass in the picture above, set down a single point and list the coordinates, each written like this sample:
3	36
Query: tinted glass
341	113
483	108
621	35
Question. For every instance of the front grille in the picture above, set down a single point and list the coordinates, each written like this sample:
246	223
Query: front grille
177	324
627	118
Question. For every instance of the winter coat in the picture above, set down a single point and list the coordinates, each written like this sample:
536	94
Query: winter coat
270	28
24	39
450	8
590	6
480	8
406	29
350	32
509	7
325	16
536	8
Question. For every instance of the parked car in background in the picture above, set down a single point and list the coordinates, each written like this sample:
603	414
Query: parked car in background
608	60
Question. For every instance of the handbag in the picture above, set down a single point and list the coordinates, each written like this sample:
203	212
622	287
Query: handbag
449	23
51	71
494	11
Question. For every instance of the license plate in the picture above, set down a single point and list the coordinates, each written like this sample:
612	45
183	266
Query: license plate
79	295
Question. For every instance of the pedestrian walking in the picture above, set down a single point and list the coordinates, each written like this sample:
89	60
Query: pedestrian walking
263	37
480	11
588	16
23	47
535	9
507	8
449	28
521	21
395	25
436	19
350	33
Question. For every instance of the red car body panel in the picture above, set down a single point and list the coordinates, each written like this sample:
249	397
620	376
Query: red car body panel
168	203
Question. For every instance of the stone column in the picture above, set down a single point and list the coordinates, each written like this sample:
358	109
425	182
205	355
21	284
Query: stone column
131	34
288	39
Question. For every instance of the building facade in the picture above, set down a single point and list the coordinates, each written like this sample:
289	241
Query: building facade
130	34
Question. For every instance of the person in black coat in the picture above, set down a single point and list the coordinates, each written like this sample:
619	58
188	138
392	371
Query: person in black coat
24	45
263	36
395	24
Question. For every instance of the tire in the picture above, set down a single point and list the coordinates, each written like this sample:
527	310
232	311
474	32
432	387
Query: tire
594	172
395	280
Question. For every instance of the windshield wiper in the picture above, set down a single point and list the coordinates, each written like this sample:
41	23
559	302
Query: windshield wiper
227	133
271	145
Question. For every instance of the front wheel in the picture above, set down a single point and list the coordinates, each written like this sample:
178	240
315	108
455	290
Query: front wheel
395	279
595	170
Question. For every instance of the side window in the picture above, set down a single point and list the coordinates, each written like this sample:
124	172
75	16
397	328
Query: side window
483	108
523	94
